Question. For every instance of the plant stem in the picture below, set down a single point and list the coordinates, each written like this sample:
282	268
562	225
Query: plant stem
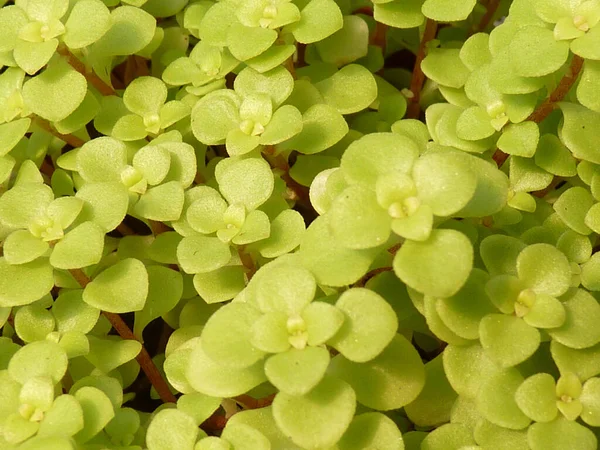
544	110
363	281
143	358
73	141
418	77
92	78
491	9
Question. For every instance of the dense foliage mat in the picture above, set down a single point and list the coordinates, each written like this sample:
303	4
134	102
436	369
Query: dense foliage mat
299	224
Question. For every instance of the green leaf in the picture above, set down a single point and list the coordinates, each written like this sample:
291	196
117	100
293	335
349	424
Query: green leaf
160	436
38	359
405	14
121	288
12	19
552	156
25	283
375	154
215	380
200	254
589	273
438	266
467	367
322	322
370	325
270	333
88	22
437	60
248	182
285	123
536	397
357	221
493	436
322	127
474	124
21	247
560	434
248	42
318	20
350	90
376	382
108	354
520	139
287	230
508	340
101	159
329	262
346	45
97	412
220	285
226	336
11	133
81	247
285	288
544	269
132	29
578	331
33	323
64	418
162	203
534	52
277	83
572	207
371	430
105	204
450	436
32	56
55	93
25	202
447	10
297	372
577	131
165	288
496	400
72	314
319	418
145	95
437	185
434	403
586	46
256	227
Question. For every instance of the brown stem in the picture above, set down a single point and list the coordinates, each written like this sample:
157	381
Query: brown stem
544	110
248	262
364	280
418	77
491	9
252	403
540	194
143	358
296	191
80	67
124	229
46	168
158	227
73	141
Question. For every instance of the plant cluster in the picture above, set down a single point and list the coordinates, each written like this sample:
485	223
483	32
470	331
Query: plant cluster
299	224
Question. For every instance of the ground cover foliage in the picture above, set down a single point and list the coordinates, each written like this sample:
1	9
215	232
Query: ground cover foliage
299	224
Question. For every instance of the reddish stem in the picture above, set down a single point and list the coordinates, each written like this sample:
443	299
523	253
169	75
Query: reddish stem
544	110
490	11
80	67
143	358
418	77
364	280
73	141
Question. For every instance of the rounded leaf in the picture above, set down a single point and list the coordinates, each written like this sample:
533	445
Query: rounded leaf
297	372
372	430
226	336
350	90
560	434
508	340
285	288
56	92
171	428
248	182
89	21
534	52
390	381
132	29
38	359
319	418
24	283
536	397
200	254
80	247
544	269
369	326
438	266
121	288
